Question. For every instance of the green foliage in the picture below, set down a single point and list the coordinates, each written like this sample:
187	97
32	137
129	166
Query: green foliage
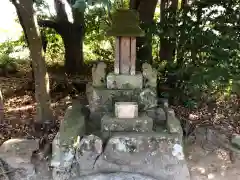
207	48
55	48
206	44
9	47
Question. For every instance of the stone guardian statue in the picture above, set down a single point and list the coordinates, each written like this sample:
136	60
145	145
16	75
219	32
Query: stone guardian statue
99	75
149	75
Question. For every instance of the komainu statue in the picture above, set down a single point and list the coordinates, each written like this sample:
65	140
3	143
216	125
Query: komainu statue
99	74
149	75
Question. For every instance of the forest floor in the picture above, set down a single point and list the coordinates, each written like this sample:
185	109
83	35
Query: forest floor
19	112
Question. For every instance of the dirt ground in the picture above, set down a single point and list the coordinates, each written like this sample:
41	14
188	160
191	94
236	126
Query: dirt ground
214	165
19	112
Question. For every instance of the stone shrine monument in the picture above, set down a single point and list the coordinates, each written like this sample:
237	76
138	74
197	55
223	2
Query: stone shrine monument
126	134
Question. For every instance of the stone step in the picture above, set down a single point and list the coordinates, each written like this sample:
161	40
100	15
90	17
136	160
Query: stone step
143	123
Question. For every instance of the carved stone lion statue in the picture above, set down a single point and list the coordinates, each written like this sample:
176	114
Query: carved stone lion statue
149	75
99	74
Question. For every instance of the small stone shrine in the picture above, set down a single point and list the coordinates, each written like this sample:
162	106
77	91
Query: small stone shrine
127	134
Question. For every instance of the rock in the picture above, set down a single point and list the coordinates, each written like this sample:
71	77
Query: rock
150	75
157	154
89	149
62	156
126	109
148	98
116	176
143	123
17	154
124	81
99	75
66	173
73	125
158	115
173	124
236	141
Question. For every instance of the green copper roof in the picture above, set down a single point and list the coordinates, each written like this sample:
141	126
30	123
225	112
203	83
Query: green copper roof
125	23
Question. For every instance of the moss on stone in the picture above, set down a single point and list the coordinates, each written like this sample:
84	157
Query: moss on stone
125	23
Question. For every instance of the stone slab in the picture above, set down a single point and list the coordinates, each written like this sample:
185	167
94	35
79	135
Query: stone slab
116	176
126	109
89	148
124	81
143	123
157	154
73	125
62	157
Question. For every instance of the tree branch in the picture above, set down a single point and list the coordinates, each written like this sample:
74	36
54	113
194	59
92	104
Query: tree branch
48	23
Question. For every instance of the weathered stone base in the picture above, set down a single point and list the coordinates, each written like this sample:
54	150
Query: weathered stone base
157	155
124	81
116	176
143	123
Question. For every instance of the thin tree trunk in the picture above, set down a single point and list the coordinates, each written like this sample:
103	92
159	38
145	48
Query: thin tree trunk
168	44
1	108
29	22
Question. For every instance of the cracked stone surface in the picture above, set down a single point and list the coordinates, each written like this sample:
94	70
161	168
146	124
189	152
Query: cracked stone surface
160	155
116	176
17	153
89	149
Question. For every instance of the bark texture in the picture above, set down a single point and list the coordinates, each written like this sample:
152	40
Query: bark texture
72	35
28	21
146	10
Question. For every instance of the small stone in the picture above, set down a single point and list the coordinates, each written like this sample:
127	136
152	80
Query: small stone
126	109
158	115
148	98
236	141
173	124
58	174
89	149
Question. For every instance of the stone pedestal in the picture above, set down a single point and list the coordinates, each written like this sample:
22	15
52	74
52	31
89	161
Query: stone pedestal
133	135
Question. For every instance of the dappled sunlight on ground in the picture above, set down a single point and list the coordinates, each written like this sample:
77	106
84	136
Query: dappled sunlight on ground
214	165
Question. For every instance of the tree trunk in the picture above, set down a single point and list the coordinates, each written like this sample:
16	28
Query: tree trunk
72	35
73	51
146	10
168	44
25	12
